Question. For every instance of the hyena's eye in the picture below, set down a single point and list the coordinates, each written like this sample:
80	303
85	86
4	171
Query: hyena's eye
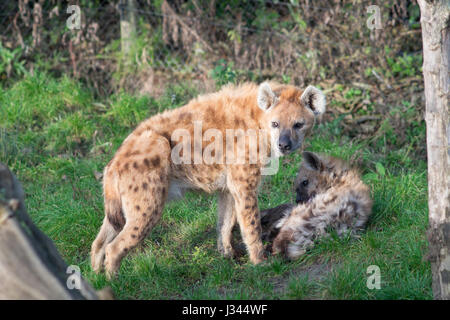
275	124
298	125
305	183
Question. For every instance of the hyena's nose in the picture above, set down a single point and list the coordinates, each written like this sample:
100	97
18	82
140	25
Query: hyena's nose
285	143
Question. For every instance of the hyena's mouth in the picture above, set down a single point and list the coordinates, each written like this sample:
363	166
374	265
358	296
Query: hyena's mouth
312	196
285	152
305	198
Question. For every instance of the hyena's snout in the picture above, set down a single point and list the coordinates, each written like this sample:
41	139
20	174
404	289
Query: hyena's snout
301	197
289	141
285	142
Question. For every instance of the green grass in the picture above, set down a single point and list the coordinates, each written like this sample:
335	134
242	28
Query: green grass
55	136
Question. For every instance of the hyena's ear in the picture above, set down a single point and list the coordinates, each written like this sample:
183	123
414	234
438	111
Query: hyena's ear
314	99
266	97
312	161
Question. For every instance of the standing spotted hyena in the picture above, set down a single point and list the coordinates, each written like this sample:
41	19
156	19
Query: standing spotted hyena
146	170
330	196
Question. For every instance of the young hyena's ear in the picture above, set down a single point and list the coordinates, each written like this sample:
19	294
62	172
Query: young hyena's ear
266	97
312	161
314	99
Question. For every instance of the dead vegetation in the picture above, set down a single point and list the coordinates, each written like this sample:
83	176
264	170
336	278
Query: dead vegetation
372	77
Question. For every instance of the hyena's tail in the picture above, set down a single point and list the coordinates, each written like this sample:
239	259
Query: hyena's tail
114	214
113	203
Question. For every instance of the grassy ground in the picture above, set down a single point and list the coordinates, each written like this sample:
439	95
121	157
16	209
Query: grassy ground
55	136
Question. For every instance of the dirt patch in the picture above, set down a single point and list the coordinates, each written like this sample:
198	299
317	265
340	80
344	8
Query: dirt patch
314	272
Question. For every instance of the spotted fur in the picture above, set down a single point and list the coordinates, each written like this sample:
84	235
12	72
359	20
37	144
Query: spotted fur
142	175
334	198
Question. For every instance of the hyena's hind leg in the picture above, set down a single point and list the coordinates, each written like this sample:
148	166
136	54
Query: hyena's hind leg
105	236
143	186
112	223
143	211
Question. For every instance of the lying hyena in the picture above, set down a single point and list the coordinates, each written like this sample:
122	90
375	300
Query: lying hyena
329	195
143	174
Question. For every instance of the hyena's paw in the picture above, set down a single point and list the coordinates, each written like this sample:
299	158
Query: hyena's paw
226	251
111	271
97	256
112	264
258	260
257	255
97	262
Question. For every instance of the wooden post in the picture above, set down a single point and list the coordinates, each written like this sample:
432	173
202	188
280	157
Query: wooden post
30	265
127	27
435	21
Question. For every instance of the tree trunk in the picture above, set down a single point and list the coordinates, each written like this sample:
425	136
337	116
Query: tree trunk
435	21
30	265
127	27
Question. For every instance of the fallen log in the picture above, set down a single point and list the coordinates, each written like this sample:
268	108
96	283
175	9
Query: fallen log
30	265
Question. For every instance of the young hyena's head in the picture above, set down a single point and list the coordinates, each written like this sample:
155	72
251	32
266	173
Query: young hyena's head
289	114
316	175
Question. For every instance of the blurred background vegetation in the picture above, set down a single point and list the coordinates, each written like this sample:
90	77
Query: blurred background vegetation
372	78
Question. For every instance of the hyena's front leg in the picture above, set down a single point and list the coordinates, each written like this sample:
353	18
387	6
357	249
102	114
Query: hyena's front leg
225	222
243	183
